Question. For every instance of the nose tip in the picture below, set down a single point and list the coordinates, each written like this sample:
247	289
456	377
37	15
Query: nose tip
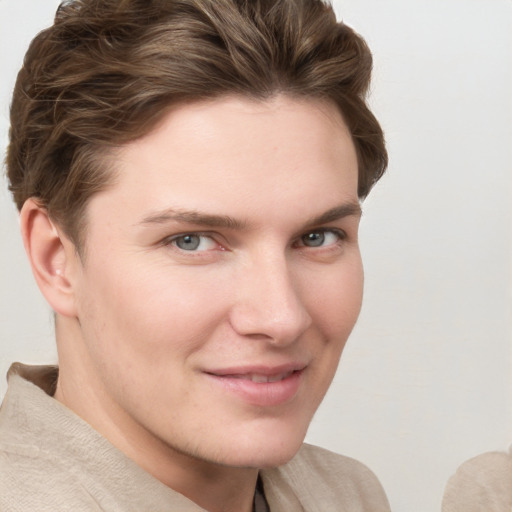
271	308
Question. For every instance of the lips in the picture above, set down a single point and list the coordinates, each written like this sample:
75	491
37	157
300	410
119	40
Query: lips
260	378
260	386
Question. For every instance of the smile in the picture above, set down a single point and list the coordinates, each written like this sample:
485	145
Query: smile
260	387
261	378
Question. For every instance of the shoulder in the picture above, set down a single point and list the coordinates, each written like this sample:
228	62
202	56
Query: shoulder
31	481
481	484
34	475
323	480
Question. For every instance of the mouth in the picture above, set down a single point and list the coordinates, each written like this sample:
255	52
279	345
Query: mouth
262	387
260	378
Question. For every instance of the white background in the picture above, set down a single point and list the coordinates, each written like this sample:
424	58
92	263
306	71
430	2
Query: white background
426	379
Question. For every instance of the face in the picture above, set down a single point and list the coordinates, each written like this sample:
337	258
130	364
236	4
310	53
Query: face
221	279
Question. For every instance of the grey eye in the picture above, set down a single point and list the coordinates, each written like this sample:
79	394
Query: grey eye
188	242
313	239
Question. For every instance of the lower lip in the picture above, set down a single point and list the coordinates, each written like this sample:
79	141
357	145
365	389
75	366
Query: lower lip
262	394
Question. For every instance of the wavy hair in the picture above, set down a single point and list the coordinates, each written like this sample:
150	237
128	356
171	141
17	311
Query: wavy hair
107	71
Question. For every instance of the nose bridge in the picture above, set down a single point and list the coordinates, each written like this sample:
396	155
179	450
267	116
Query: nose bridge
269	301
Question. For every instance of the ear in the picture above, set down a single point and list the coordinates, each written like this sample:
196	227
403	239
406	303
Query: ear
52	257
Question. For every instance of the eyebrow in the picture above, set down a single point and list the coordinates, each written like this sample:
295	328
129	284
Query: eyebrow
195	217
351	209
227	222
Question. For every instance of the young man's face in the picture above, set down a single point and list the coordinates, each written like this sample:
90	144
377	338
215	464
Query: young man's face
221	279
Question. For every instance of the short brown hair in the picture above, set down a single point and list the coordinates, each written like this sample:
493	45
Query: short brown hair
108	70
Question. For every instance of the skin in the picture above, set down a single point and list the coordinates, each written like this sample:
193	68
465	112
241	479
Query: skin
168	332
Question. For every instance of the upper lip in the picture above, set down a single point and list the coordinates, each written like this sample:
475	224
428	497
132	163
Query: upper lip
258	369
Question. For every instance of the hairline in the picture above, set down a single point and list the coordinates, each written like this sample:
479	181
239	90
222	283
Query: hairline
105	154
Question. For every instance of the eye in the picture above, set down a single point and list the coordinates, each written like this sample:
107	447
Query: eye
193	242
321	238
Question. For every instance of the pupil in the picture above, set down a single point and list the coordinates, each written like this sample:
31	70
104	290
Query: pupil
313	239
188	242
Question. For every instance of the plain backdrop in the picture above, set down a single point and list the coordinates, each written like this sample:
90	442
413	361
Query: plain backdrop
426	378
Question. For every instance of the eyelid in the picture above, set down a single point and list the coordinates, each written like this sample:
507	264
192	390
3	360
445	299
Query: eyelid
341	233
168	240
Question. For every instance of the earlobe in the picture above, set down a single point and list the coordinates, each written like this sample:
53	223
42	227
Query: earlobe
49	252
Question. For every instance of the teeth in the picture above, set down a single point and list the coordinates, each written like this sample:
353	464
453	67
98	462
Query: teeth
260	378
268	378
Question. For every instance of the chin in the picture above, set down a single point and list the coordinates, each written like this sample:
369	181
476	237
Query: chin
267	451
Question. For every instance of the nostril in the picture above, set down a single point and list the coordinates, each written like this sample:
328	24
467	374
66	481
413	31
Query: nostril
282	327
268	305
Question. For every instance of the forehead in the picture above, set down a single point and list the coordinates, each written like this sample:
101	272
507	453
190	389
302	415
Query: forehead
240	155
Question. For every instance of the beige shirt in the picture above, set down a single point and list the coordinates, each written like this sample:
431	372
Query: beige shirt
481	484
51	460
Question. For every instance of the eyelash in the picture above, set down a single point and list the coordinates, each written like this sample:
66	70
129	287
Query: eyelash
299	243
339	233
171	241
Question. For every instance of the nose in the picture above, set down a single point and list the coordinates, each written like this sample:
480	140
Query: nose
269	304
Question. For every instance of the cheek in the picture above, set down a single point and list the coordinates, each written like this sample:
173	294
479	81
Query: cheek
142	330
336	300
336	306
148	313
